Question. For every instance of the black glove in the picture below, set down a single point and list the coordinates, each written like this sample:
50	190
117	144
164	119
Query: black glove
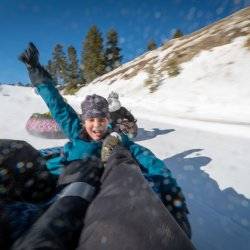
30	56
81	178
37	73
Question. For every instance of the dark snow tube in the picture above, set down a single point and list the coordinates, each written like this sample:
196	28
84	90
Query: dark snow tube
44	127
126	214
23	173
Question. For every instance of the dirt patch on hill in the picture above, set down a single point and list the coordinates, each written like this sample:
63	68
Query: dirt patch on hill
247	44
181	54
214	35
129	71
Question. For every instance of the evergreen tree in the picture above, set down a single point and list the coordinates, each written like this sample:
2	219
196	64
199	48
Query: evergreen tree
81	81
112	52
93	56
59	63
51	69
151	45
72	69
178	33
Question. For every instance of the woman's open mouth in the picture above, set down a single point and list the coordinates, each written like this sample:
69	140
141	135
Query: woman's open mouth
98	132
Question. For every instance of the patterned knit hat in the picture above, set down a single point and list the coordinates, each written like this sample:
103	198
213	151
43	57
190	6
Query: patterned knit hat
94	106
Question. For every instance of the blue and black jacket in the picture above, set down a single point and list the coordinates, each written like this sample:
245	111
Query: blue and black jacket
78	147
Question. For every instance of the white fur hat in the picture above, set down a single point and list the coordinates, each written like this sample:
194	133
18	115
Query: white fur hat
113	101
113	95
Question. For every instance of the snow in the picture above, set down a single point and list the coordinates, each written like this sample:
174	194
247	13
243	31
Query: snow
197	122
17	105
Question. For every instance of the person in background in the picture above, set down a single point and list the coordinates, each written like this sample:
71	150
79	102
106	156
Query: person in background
121	119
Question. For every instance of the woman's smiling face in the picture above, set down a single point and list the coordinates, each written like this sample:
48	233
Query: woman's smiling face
96	127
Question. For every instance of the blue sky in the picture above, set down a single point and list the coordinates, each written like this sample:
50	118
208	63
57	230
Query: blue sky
48	22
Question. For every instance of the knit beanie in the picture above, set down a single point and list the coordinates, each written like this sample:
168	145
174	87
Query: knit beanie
94	106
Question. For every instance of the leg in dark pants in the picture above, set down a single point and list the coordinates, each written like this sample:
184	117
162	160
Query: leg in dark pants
126	214
59	227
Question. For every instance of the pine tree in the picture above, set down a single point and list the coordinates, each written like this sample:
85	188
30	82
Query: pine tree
81	80
112	52
72	69
151	45
59	65
178	33
93	56
51	69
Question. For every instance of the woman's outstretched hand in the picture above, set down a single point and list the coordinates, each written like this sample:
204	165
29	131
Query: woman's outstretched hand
30	56
37	73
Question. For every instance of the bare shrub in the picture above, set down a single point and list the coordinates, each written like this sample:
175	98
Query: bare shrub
152	81
247	44
172	67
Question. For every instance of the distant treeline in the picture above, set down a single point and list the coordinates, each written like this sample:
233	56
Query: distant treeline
96	59
16	84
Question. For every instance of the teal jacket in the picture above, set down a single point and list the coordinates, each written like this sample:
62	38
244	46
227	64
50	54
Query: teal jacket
153	169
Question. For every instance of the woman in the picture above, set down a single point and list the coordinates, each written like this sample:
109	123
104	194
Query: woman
86	136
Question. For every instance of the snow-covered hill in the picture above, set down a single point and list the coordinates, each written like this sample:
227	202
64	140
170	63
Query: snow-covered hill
213	84
197	122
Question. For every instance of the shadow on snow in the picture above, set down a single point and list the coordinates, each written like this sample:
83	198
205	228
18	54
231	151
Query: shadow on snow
220	219
143	134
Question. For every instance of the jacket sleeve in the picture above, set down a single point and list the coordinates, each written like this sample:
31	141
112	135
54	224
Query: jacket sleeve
160	178
64	114
126	114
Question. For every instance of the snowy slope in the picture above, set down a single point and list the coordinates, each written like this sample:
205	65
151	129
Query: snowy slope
17	104
213	86
213	169
197	122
